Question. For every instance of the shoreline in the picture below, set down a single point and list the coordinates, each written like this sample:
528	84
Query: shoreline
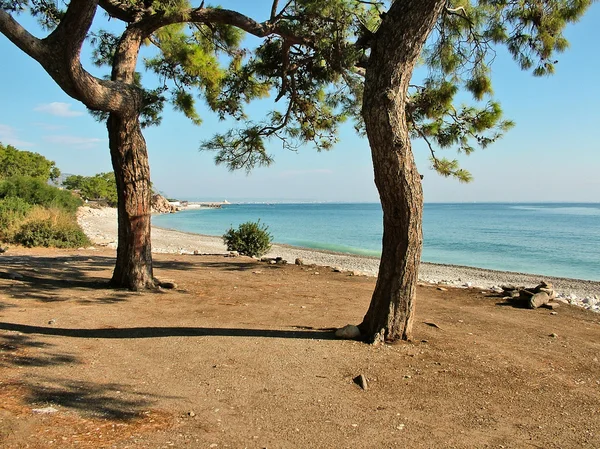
100	225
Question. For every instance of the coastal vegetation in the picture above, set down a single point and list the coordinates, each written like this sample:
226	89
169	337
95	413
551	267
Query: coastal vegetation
101	186
32	212
328	60
251	239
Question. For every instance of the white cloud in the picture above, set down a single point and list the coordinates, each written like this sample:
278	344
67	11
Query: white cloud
316	171
58	109
8	136
48	127
74	141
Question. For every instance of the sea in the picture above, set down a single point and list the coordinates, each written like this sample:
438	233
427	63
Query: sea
551	239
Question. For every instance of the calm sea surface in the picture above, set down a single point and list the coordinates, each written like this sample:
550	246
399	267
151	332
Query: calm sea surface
550	239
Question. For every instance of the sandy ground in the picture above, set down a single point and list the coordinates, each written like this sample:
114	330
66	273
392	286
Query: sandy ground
241	355
101	226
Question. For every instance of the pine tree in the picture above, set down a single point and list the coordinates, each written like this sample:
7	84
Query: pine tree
328	60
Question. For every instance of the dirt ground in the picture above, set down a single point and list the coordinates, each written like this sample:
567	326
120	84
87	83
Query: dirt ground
241	355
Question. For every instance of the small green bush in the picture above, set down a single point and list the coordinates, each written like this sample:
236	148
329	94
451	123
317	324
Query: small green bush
251	239
35	191
50	233
12	212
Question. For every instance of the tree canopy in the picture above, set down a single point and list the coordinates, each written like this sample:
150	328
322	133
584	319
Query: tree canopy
15	162
98	187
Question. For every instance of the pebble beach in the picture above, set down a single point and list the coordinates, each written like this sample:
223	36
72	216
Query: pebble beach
100	225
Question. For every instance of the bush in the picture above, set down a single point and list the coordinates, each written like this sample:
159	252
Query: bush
251	239
36	192
50	227
12	213
48	233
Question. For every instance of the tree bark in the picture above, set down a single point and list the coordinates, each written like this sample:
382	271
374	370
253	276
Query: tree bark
133	269
395	51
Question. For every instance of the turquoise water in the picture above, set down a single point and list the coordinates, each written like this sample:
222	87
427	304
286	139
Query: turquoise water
549	239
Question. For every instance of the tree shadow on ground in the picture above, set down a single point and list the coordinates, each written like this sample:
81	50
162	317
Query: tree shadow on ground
23	351
43	278
227	265
156	332
106	401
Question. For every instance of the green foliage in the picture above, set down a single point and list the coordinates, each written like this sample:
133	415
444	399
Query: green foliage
312	57
14	162
36	192
251	239
12	213
101	186
50	233
459	55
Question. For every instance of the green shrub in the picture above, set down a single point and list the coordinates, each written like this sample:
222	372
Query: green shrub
12	213
12	210
35	191
50	233
250	239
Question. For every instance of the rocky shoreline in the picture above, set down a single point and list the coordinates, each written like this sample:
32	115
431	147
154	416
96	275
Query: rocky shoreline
100	225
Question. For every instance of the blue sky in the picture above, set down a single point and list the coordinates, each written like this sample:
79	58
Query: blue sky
553	153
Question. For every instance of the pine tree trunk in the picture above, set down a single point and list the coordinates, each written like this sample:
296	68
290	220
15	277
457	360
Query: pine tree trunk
398	44
133	269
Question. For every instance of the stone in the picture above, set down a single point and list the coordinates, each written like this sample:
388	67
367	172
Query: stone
299	261
51	322
160	204
442	289
3	250
361	381
168	285
191	413
348	332
234	254
552	305
336	270
538	299
553	335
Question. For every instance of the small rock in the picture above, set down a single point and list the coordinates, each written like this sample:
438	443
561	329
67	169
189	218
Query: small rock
348	332
316	272
407	376
336	270
553	335
299	261
168	285
552	305
191	413
400	427
45	410
442	289
553	313
272	261
51	322
361	381
3	250
233	254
